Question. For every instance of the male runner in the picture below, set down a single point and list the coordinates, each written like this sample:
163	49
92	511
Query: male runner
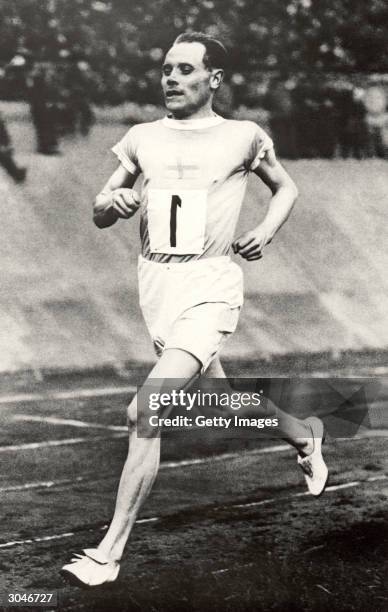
195	167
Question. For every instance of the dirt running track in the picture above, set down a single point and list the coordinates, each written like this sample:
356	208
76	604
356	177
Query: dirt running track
228	525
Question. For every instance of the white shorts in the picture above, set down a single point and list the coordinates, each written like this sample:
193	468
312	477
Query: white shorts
193	306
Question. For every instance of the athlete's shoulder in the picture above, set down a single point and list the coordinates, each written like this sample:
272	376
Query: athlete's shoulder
254	139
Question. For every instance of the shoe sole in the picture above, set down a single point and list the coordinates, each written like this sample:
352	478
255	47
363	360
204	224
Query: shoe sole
73	580
318	431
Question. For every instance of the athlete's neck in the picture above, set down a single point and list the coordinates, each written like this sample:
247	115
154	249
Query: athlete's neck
202	113
198	123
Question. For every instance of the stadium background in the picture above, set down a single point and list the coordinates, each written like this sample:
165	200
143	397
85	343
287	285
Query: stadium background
304	70
73	343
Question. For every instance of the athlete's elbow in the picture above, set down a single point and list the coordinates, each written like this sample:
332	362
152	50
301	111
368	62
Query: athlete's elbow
289	191
292	187
98	222
99	214
98	218
293	191
101	220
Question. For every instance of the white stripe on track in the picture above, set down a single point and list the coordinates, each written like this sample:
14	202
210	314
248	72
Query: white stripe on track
51	443
70	422
62	536
122	432
154	519
221	457
166	465
345	485
263	502
64	395
43	484
48	484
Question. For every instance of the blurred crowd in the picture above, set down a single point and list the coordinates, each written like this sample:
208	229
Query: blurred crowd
58	94
313	120
62	55
59	103
307	119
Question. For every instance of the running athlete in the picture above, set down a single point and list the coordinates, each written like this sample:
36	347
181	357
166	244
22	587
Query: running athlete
195	167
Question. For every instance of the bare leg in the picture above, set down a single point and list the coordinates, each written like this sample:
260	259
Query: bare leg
142	462
294	431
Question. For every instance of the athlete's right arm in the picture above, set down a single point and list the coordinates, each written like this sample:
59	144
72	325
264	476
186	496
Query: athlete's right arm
117	200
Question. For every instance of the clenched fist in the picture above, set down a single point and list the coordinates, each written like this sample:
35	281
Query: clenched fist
125	202
251	244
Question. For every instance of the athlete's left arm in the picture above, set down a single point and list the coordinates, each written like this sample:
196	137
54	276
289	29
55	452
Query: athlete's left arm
284	193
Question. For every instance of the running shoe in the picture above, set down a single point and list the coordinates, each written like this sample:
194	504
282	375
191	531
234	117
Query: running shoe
90	569
313	466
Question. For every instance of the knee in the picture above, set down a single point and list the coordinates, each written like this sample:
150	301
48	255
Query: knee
138	421
132	416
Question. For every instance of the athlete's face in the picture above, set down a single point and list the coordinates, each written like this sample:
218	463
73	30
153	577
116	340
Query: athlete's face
187	84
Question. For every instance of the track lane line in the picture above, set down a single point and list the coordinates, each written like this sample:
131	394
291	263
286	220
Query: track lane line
221	508
122	432
69	422
43	484
64	395
223	456
68	534
165	465
54	420
52	443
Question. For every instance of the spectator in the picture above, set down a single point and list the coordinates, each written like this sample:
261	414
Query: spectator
351	126
282	121
44	98
377	121
314	120
18	173
76	84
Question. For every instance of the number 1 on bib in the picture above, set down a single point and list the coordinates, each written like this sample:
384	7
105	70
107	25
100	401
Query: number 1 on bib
175	202
177	220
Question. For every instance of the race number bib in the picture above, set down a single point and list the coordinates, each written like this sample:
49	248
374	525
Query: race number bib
176	220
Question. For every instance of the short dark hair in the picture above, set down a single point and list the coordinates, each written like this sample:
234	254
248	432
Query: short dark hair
216	55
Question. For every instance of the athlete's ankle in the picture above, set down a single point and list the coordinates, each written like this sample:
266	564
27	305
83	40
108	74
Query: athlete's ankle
110	553
305	446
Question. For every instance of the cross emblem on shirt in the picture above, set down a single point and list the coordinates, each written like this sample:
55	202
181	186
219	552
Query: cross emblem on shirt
180	168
